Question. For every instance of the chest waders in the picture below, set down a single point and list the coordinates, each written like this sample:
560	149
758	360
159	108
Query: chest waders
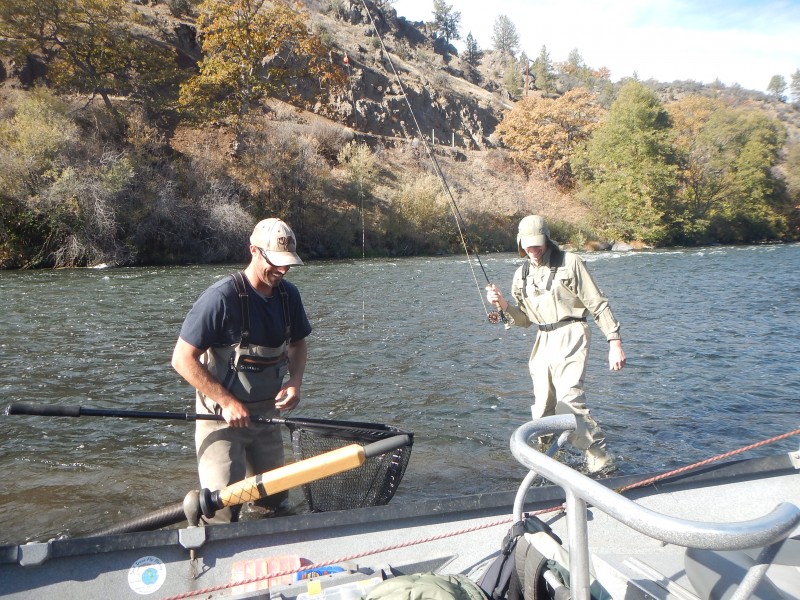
250	372
555	261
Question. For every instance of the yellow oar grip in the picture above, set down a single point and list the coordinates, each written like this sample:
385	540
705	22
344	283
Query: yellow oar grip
293	475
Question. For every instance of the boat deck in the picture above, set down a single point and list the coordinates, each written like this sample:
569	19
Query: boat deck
632	565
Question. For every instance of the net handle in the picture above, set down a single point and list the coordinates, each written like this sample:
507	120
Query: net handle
388	445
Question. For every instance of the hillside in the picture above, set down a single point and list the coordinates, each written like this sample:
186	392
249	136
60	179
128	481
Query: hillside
422	87
457	117
403	84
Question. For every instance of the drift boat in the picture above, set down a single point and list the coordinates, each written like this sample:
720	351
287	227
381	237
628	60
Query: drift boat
723	531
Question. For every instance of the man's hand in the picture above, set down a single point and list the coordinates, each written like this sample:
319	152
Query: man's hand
494	296
288	398
616	355
186	361
236	414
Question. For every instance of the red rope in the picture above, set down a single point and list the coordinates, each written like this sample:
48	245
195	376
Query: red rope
432	538
495	523
708	461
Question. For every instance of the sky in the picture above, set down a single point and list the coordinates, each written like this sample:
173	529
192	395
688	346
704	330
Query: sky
742	42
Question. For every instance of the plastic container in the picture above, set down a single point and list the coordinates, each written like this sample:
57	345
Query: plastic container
354	590
317	572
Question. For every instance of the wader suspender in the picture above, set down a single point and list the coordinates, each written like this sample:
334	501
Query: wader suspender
556	261
238	280
241	288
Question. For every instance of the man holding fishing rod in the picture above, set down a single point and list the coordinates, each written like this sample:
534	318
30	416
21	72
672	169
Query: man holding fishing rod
554	292
242	347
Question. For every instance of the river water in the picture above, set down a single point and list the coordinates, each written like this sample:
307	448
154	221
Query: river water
710	334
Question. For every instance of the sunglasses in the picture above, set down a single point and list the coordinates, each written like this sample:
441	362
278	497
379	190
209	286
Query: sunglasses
264	256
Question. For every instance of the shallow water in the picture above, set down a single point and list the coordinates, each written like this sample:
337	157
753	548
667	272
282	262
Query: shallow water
710	335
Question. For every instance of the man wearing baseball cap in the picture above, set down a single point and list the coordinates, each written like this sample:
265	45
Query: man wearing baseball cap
243	348
554	292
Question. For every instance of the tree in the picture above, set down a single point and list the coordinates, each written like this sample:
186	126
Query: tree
472	53
701	178
512	78
576	69
793	172
794	86
544	133
504	36
777	87
254	49
747	143
89	46
574	62
446	21
544	75
628	170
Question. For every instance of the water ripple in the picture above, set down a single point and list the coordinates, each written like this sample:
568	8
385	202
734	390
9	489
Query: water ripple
710	336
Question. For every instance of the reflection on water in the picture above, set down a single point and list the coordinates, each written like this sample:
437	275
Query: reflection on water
710	336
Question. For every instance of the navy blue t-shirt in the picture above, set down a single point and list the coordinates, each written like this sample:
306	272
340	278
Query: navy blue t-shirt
216	317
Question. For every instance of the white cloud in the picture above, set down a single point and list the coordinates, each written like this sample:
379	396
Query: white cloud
735	41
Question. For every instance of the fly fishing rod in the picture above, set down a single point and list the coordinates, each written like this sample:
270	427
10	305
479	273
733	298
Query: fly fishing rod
494	316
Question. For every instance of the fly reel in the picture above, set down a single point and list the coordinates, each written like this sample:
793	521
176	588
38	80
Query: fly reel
497	316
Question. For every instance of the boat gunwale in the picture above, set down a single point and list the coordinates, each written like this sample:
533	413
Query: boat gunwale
450	508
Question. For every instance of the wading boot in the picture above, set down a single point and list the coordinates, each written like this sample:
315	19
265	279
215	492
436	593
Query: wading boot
543	443
598	460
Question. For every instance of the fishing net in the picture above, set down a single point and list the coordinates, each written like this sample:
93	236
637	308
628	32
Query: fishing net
372	484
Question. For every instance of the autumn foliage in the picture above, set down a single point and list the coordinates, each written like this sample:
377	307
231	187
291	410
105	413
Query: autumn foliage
90	46
544	133
254	49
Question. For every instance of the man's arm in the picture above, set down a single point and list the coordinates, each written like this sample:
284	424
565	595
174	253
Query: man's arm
186	361
289	396
597	304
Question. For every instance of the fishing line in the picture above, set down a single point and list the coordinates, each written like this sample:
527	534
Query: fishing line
493	316
346	61
363	258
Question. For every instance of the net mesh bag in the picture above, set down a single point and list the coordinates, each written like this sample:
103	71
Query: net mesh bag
372	484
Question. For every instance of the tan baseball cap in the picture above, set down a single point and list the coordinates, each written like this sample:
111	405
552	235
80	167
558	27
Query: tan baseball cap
277	239
533	231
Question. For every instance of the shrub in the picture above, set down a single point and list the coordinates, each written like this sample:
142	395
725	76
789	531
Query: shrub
33	143
419	219
330	138
362	171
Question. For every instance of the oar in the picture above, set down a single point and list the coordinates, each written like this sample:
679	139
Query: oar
277	481
54	410
164	517
283	478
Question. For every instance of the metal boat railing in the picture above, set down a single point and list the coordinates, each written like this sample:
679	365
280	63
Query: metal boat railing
767	531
